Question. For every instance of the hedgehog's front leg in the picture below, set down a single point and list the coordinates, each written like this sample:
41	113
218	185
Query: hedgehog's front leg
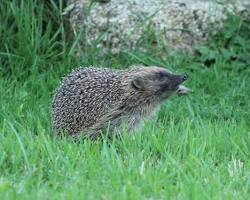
109	124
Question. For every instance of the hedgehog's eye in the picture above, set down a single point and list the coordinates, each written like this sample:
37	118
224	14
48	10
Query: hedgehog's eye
162	75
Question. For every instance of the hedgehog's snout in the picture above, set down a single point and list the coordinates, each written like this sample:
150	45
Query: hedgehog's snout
184	77
179	79
182	90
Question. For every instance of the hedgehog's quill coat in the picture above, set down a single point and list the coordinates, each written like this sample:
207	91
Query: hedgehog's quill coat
91	100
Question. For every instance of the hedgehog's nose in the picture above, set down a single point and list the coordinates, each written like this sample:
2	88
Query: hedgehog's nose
184	77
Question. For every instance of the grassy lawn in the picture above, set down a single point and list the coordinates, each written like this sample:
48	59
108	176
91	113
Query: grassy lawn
198	148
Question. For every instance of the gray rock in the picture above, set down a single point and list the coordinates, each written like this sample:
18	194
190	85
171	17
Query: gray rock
119	25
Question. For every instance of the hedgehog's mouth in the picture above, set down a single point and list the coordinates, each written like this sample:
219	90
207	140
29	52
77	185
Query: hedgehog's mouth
183	90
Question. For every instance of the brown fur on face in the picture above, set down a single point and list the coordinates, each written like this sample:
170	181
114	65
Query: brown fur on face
90	100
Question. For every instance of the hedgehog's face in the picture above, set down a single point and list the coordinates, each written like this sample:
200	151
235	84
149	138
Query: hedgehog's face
159	82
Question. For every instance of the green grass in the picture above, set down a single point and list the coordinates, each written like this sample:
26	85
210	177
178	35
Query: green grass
198	148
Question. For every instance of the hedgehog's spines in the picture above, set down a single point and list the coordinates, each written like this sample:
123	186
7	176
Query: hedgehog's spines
89	100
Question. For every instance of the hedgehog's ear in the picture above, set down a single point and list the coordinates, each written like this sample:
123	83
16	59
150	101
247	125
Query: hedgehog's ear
137	83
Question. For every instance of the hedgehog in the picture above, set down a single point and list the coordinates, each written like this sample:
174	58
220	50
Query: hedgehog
93	102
